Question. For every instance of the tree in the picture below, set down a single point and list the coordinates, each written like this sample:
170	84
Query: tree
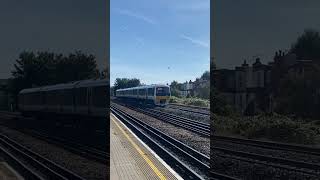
174	88
307	46
46	68
206	76
105	73
76	66
204	92
219	104
121	83
300	95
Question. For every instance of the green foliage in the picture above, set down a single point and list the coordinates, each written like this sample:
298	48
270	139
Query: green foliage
300	95
307	45
174	88
45	68
203	92
190	101
202	86
220	105
274	127
121	83
206	75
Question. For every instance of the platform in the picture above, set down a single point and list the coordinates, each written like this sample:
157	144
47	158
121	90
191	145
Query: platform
130	158
8	173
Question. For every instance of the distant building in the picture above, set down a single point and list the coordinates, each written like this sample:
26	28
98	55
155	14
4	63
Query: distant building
243	85
191	88
186	89
4	96
249	88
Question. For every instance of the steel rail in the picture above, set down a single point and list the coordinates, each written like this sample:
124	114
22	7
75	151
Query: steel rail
47	168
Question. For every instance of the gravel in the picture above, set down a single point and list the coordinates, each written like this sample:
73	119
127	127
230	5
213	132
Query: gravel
250	170
190	115
202	144
304	157
85	168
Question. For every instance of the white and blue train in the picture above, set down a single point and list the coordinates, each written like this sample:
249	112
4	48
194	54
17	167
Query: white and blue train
87	98
158	95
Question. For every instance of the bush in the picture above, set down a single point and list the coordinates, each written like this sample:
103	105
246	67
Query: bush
273	127
190	101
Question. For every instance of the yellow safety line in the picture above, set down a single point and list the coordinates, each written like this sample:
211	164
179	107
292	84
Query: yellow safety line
153	167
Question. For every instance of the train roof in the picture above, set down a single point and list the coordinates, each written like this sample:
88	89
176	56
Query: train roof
144	87
30	90
75	84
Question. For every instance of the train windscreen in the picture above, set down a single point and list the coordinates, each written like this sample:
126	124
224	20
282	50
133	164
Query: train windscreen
162	91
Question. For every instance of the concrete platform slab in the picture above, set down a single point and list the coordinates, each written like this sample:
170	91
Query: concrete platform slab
131	159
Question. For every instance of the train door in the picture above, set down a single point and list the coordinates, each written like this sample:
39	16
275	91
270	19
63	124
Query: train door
73	90
145	96
89	99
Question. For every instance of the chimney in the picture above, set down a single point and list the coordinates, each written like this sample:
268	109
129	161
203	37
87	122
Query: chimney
245	63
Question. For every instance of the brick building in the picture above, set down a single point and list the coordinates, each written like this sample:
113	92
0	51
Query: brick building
249	88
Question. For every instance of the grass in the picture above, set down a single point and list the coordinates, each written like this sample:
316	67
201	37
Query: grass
193	101
272	127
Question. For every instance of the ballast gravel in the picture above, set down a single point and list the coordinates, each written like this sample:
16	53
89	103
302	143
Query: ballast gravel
88	169
202	144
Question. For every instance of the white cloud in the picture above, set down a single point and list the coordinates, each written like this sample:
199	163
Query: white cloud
136	15
195	41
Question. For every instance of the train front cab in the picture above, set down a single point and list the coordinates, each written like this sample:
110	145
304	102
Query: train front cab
162	96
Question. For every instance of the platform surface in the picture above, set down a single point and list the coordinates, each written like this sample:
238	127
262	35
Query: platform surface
132	159
8	173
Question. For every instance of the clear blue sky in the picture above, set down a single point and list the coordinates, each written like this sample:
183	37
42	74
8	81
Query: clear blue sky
159	41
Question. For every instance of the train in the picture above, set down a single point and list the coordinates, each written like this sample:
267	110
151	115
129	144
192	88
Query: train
156	94
86	98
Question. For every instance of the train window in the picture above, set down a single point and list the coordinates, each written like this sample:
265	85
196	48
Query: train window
100	96
50	97
29	99
26	99
43	98
150	91
36	98
68	97
56	97
163	91
142	92
81	96
60	97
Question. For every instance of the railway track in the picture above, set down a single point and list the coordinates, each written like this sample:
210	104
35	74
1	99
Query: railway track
282	163
69	144
189	106
190	109
189	163
270	145
269	161
287	164
73	146
200	128
31	164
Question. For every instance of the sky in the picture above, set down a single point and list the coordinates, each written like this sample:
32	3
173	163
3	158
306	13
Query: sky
61	26
247	28
158	41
